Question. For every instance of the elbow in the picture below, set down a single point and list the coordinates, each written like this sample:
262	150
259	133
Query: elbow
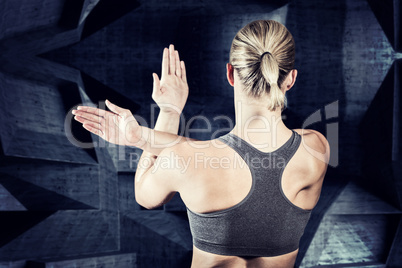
140	200
137	192
143	202
149	207
146	205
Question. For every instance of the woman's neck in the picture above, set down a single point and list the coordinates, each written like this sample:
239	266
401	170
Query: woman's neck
254	122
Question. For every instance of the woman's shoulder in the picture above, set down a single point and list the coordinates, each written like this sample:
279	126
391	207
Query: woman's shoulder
314	139
314	149
191	146
190	150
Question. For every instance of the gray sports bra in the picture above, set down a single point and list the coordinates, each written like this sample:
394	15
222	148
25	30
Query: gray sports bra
265	222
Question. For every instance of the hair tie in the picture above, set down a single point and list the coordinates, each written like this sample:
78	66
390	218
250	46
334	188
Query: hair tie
264	54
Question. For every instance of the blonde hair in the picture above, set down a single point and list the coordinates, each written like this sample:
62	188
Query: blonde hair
263	53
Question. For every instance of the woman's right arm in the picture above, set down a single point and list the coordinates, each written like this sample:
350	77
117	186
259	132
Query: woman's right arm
170	94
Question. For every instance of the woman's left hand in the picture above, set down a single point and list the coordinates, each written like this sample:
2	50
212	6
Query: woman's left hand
118	127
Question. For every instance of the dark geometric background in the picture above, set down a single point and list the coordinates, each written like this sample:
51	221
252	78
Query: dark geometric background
65	206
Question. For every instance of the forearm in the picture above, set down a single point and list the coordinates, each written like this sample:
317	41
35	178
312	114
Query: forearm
163	135
168	122
170	93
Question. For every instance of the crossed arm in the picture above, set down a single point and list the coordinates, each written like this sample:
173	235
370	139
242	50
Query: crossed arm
120	127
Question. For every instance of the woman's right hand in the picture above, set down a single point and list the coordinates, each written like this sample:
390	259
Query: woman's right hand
171	91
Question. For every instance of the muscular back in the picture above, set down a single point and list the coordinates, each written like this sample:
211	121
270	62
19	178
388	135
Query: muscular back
216	177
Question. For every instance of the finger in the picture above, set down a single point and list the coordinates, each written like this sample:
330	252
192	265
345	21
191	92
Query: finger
93	129
84	120
165	63
157	85
183	72
178	67
89	116
92	110
114	108
79	119
172	62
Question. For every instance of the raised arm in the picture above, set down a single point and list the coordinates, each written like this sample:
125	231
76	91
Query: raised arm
170	94
120	127
153	189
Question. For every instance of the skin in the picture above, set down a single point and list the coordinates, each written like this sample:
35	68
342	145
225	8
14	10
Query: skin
204	172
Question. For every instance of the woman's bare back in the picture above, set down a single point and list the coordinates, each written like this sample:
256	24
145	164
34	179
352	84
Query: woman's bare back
224	180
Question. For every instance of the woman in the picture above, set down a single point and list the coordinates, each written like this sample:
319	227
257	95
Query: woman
249	193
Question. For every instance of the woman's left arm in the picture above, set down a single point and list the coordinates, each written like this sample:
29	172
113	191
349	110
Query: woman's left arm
119	126
154	185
